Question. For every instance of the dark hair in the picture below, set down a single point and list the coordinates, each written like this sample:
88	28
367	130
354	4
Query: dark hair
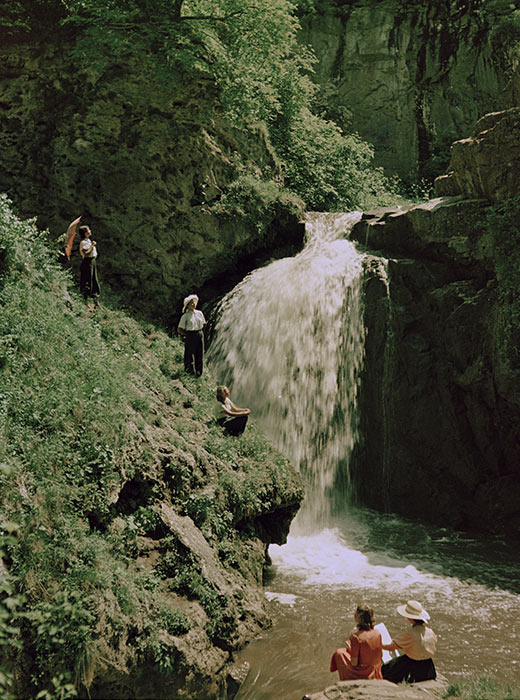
221	393
418	622
366	617
83	230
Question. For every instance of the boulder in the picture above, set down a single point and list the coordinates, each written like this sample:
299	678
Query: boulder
487	165
381	690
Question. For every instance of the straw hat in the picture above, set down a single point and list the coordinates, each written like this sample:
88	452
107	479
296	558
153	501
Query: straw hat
187	301
413	611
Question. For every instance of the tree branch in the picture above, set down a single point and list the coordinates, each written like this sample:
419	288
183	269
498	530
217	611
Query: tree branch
212	17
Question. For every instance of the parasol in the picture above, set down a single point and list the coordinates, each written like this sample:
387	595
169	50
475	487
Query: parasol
69	239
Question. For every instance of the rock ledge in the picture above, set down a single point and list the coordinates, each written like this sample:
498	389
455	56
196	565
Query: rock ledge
381	690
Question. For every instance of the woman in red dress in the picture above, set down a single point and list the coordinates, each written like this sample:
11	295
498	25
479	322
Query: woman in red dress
361	658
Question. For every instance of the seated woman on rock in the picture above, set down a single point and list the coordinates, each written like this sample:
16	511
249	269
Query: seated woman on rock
418	643
232	418
361	658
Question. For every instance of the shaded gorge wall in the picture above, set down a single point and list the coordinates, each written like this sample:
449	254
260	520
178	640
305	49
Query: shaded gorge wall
411	77
439	397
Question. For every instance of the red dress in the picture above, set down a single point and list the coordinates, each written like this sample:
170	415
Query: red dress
368	647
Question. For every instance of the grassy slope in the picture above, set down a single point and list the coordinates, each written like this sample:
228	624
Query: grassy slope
104	441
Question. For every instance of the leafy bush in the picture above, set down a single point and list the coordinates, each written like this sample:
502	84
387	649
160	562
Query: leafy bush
505	39
261	73
329	170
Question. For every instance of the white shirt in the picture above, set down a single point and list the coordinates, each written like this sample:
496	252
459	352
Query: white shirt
85	245
220	406
192	321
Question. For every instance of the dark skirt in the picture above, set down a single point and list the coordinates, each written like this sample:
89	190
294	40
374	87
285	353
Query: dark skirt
403	668
88	278
234	425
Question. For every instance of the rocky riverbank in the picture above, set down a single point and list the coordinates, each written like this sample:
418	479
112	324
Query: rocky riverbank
382	690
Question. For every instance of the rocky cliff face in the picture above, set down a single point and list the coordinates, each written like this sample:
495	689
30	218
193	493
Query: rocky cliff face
145	165
414	76
439	399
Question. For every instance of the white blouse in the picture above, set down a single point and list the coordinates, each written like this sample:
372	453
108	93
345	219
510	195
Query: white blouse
84	245
192	320
219	408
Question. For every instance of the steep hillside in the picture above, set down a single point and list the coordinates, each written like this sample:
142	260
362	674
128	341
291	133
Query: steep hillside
144	166
135	532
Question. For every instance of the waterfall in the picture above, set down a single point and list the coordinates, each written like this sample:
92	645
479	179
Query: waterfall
289	342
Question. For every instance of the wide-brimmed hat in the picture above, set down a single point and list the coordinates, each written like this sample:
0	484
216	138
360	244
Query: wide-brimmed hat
187	301
413	611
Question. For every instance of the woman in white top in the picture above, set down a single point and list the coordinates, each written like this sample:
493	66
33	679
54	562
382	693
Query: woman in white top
190	327
88	277
232	418
418	644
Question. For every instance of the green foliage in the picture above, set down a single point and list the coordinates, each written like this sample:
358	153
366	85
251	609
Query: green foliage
10	607
482	688
329	170
503	238
60	629
505	39
249	51
256	200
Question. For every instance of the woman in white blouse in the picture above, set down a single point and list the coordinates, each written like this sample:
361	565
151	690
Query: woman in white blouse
190	327
232	418
88	276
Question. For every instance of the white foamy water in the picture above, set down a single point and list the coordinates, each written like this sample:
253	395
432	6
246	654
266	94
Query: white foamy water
289	341
290	344
325	559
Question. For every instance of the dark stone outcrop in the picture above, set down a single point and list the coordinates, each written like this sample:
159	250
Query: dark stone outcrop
488	163
440	404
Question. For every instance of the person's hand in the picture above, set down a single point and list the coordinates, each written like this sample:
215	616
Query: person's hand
93	242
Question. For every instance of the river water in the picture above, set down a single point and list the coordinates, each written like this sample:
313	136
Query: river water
289	342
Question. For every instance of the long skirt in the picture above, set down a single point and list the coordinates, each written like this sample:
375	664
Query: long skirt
194	352
342	663
234	425
88	278
403	668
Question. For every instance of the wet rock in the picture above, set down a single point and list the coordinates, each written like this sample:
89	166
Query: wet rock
381	690
438	401
235	678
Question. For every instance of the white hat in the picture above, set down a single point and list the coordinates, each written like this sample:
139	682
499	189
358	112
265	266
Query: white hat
413	611
187	301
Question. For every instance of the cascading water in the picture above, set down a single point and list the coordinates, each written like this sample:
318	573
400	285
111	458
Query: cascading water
289	342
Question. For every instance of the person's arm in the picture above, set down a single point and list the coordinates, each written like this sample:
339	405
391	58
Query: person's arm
180	328
86	251
239	411
393	646
234	411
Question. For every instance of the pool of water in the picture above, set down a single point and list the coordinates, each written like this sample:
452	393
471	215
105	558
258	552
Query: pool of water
470	588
